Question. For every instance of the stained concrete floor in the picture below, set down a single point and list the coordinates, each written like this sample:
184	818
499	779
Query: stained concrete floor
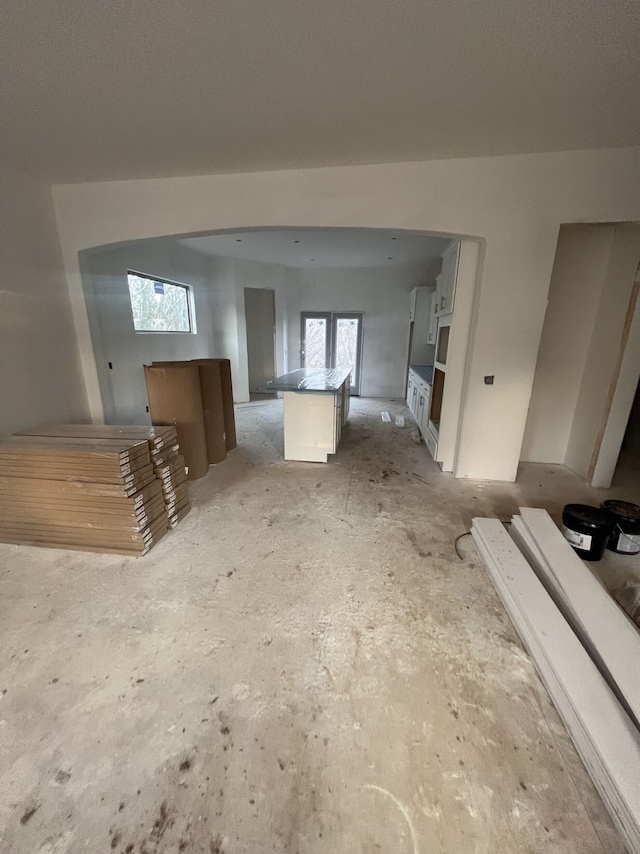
305	666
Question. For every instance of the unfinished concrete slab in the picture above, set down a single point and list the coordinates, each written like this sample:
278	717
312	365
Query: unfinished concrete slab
304	665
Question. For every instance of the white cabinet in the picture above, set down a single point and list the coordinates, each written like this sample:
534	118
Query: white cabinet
410	389
446	282
421	349
432	314
313	422
431	442
423	403
419	402
412	305
432	331
414	398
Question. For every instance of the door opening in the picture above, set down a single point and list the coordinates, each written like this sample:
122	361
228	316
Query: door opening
332	339
260	314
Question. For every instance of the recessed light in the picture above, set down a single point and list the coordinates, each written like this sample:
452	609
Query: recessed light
390	258
238	240
296	241
394	238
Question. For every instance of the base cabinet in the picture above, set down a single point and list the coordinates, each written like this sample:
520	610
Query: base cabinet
419	402
430	441
412	392
313	423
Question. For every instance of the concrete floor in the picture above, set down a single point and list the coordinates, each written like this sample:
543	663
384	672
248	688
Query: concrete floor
305	665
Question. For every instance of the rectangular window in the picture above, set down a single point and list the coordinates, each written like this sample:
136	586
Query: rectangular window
158	305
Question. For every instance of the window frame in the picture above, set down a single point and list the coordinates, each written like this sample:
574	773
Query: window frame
191	314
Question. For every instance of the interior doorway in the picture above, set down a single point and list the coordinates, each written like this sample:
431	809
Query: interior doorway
260	315
627	469
331	339
589	356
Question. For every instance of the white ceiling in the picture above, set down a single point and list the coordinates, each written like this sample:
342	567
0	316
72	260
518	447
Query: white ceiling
111	89
314	248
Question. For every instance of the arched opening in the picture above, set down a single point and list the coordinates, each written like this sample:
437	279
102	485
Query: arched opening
339	272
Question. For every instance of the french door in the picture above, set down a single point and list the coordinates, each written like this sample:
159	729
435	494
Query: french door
332	339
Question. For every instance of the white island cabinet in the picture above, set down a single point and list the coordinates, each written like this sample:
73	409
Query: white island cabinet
316	406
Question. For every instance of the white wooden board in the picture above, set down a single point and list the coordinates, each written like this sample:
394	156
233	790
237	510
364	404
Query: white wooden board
603	627
604	735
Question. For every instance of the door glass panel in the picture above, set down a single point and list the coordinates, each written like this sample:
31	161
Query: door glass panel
315	342
346	344
332	340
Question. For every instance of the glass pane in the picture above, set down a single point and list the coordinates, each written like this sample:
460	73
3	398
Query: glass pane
158	306
346	344
315	342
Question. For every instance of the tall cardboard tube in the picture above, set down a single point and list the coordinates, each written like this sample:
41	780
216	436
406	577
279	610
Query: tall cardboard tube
175	398
227	402
212	405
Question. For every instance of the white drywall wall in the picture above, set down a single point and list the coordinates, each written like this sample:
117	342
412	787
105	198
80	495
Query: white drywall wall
383	295
115	339
576	284
516	204
40	372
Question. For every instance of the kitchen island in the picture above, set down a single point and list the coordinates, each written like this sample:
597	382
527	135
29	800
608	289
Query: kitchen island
316	406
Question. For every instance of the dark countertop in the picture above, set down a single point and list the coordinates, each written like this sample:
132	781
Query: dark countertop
425	372
307	379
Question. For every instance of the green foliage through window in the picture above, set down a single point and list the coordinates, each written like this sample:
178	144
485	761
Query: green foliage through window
159	306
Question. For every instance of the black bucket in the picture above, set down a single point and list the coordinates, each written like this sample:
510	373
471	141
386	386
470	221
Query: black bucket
625	538
587	529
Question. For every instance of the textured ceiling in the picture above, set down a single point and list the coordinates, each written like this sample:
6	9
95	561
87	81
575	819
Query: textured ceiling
108	89
314	248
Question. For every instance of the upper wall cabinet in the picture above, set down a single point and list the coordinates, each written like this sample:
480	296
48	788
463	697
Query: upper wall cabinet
446	289
433	317
421	351
412	304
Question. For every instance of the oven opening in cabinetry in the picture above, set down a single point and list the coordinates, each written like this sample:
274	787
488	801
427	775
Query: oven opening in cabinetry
437	390
443	344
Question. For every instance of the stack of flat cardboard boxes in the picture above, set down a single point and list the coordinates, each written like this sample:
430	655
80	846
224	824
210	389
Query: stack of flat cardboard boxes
172	476
76	493
146	492
169	466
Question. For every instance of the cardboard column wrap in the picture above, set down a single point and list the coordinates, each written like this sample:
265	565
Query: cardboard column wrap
175	398
227	402
213	408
